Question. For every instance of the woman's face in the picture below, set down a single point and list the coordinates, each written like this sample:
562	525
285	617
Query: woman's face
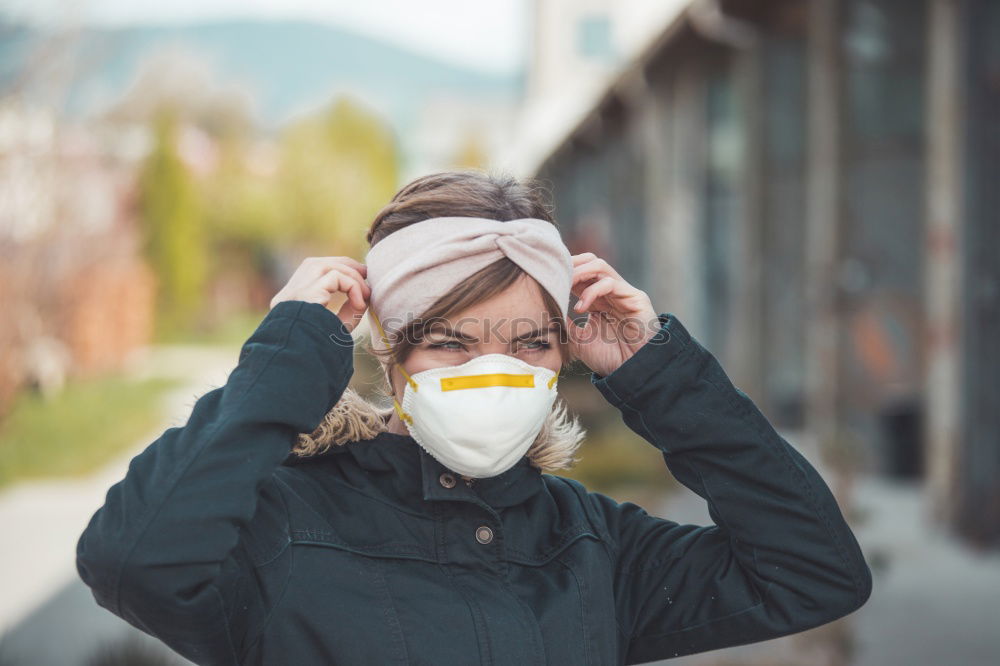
514	322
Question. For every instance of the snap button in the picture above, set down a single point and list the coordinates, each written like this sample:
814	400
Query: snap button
447	480
484	534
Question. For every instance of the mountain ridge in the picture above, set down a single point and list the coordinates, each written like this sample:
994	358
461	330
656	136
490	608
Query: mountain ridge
289	65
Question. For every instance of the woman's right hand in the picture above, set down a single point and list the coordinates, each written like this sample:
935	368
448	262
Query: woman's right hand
317	279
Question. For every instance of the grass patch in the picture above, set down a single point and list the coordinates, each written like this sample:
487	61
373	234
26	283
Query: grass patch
233	330
76	431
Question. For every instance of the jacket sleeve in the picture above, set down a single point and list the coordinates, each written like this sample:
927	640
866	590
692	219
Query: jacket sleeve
780	557
164	552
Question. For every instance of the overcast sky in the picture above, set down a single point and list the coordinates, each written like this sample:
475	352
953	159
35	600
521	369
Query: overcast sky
488	35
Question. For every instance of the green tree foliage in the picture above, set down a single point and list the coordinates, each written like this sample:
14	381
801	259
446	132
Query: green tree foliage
338	168
242	203
314	189
174	240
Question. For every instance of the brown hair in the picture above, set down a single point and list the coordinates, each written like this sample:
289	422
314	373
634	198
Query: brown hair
465	193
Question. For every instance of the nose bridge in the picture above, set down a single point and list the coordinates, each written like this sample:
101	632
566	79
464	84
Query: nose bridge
492	340
480	352
493	346
498	338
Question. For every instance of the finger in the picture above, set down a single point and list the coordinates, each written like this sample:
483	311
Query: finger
584	278
603	286
589	259
353	272
317	266
349	315
310	270
355	296
336	281
595	267
578	284
589	273
334	261
355	264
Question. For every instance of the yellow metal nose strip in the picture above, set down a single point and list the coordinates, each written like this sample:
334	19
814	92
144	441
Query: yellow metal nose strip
480	381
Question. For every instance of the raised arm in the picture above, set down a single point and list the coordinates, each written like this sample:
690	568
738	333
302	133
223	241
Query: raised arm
780	557
162	552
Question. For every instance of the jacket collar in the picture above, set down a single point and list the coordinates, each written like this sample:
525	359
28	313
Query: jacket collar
410	473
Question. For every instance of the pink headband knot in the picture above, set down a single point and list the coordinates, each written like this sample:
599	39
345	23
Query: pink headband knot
413	267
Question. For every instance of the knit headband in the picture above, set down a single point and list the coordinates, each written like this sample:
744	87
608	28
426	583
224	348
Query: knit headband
413	267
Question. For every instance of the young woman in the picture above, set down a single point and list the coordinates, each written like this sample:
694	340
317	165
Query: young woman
291	522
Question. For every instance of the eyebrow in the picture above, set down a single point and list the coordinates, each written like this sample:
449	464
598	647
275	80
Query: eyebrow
535	333
447	332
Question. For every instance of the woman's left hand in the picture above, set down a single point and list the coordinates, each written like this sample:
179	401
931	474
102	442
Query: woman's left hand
621	318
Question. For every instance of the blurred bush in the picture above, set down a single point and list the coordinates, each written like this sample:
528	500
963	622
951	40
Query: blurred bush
613	459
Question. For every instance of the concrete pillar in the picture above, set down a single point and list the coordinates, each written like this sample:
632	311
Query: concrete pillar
823	224
651	113
943	253
746	344
685	183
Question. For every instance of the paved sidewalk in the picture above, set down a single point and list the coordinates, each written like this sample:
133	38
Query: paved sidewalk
687	507
37	571
934	601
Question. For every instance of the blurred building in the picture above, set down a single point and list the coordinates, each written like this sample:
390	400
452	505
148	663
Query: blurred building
576	49
77	298
811	185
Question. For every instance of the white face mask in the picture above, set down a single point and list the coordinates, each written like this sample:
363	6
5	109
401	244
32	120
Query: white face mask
480	417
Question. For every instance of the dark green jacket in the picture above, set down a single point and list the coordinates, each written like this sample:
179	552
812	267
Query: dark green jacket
231	550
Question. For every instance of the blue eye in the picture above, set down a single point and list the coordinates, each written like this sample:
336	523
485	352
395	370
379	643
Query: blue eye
442	345
535	345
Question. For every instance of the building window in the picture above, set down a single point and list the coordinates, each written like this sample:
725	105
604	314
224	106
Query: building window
594	38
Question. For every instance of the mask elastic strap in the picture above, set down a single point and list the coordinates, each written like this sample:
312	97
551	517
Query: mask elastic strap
395	403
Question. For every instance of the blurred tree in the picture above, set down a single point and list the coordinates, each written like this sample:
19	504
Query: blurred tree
187	83
241	199
471	153
174	240
243	220
338	168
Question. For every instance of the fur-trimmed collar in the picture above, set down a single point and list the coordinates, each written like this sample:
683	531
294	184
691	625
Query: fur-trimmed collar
355	418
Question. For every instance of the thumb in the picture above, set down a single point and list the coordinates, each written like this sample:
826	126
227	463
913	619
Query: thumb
350	314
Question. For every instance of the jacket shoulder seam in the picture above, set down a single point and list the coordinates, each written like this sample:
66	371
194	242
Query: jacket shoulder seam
581	493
